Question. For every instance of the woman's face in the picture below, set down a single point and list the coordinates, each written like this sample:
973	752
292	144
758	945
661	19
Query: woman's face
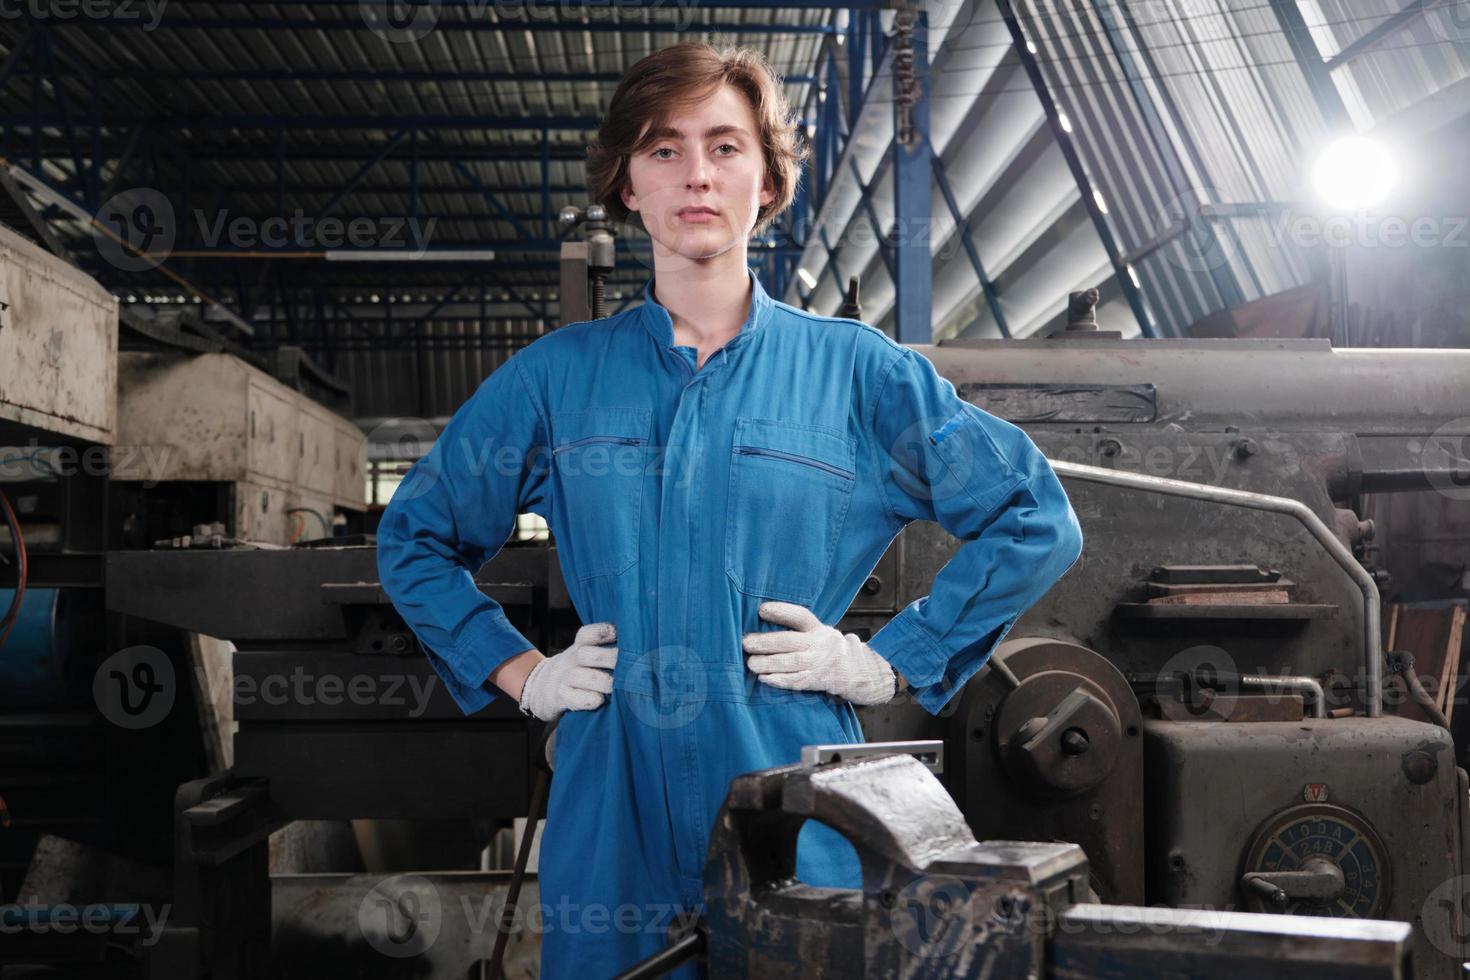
700	185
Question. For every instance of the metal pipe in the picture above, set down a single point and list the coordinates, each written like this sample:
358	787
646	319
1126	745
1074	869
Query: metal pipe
1416	690
1401	664
1296	684
542	762
680	951
1372	649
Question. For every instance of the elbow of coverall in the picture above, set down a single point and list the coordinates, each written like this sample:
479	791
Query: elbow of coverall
1065	531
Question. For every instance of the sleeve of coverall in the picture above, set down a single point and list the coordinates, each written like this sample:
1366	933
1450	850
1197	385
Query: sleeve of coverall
984	481
451	514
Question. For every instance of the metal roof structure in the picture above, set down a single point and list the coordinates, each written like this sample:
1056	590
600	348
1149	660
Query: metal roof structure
377	182
464	122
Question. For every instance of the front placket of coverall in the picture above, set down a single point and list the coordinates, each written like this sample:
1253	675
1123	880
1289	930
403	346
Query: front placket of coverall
684	531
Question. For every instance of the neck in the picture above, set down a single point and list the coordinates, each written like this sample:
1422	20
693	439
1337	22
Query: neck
708	298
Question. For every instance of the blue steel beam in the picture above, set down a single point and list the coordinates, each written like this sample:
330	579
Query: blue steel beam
857	41
1202	231
16	55
433	253
403	189
535	6
177	22
47	55
176	121
343	152
537	311
866	198
1386	28
545	184
881	53
413	197
962	226
832	262
373	75
1319	77
490	197
1131	292
357	178
913	259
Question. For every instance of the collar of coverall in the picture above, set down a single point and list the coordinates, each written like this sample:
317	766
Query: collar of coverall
659	323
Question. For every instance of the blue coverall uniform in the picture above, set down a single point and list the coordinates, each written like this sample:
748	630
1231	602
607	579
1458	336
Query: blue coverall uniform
680	500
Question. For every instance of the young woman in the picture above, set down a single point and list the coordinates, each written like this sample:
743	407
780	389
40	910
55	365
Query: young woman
721	472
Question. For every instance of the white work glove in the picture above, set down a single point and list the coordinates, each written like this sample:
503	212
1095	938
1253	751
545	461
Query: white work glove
812	656
577	679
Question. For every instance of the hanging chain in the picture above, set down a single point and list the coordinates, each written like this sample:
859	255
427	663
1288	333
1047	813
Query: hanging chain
905	77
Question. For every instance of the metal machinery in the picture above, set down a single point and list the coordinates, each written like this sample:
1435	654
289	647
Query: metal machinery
935	903
58	415
1208	745
1229	753
102	451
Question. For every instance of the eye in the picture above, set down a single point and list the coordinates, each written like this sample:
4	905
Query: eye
728	146
662	149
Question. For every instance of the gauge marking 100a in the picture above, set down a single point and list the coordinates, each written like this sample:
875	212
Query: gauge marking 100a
1337	834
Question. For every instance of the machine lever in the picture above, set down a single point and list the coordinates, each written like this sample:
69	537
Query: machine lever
1319	880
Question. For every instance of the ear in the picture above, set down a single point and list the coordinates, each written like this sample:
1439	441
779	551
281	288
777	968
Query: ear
768	189
629	199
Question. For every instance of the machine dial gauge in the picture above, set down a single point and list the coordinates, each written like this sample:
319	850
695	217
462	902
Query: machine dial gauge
1313	836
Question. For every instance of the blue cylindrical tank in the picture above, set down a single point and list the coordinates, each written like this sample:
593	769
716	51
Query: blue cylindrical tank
35	661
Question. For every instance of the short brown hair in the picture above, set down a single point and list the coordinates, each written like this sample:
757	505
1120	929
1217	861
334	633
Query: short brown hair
680	76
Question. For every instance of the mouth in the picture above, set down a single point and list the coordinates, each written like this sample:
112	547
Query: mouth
698	213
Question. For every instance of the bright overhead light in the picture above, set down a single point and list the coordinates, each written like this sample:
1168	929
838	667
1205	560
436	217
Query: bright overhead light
1355	173
806	277
407	255
1066	123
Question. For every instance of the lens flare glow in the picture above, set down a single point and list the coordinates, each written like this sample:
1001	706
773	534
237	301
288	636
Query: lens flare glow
1355	173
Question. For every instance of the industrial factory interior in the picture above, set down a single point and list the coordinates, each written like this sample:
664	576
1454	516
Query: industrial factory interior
495	489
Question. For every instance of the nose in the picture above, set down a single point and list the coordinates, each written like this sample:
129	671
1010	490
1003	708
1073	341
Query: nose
698	175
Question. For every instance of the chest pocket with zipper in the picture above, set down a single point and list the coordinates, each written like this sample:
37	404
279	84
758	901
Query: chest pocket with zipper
790	488
600	460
